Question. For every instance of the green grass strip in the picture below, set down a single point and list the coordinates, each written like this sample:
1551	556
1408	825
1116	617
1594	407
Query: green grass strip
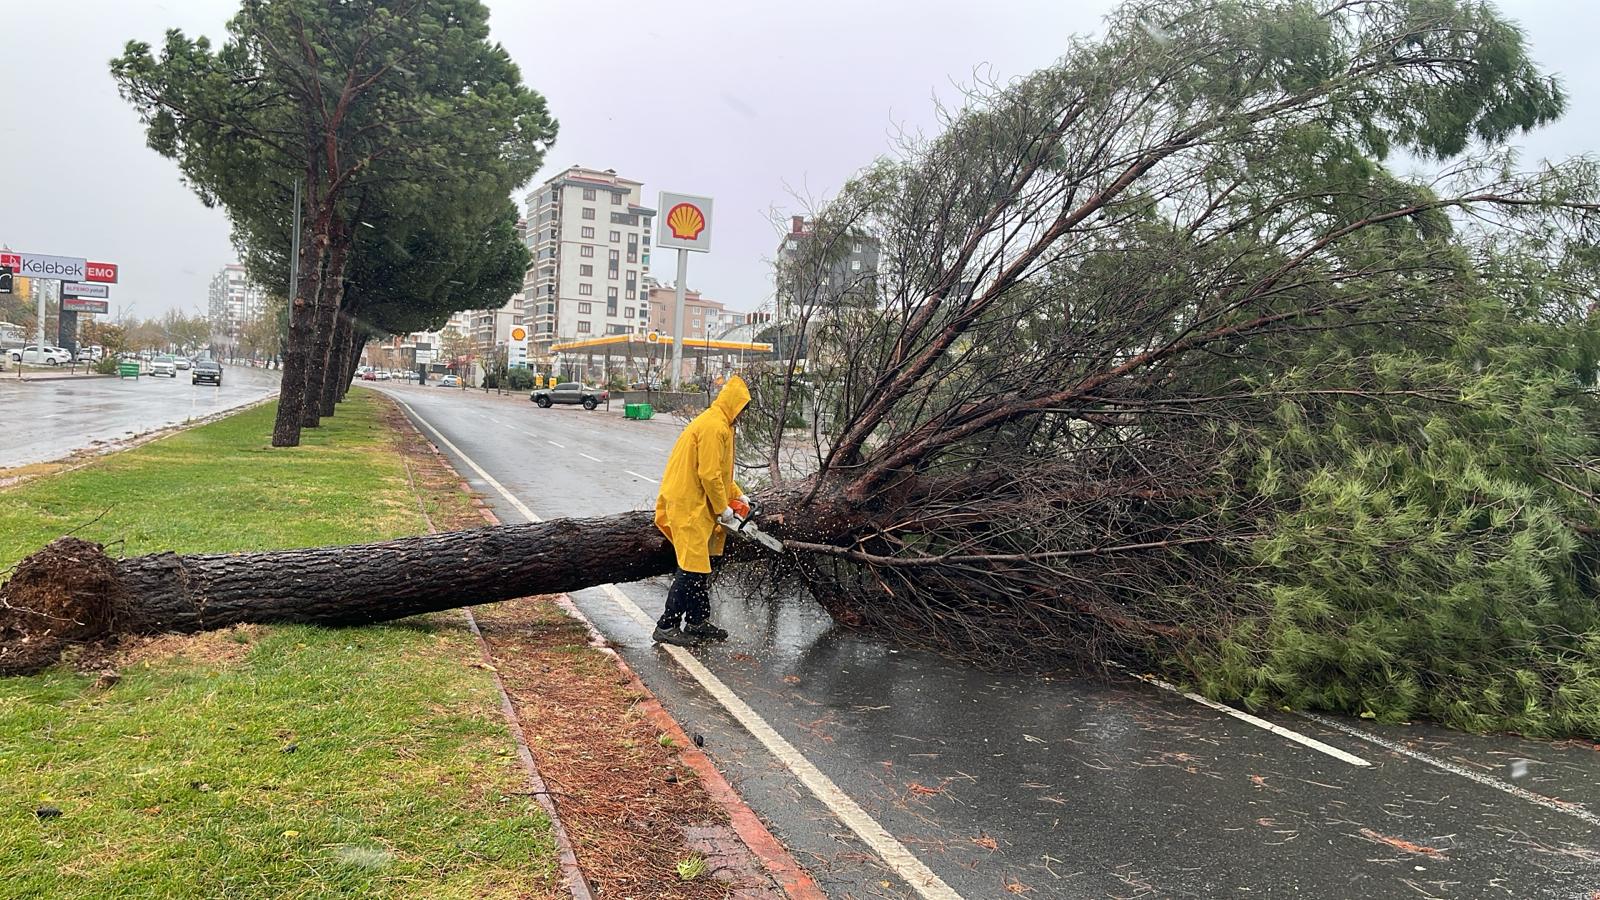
279	762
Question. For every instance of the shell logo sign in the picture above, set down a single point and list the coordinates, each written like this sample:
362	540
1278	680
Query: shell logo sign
519	333
653	336
685	222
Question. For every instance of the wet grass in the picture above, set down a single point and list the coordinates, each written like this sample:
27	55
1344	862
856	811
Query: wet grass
223	487
265	762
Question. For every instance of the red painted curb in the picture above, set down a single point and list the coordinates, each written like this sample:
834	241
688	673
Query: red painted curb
790	875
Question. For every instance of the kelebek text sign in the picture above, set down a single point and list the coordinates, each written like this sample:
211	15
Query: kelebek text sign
685	222
83	289
38	265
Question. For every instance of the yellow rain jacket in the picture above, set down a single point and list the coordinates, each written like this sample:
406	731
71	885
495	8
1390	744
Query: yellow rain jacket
698	482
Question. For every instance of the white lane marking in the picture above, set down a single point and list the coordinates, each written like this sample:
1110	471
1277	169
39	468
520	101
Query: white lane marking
894	854
1571	809
587	456
554	444
488	479
645	477
1258	722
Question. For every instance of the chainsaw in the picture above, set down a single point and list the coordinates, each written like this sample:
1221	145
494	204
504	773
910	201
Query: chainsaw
741	521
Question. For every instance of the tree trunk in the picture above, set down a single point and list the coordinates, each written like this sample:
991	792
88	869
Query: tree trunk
292	362
352	361
71	592
330	293
337	364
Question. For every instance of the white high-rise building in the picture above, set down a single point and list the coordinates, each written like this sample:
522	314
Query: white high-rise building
234	301
589	235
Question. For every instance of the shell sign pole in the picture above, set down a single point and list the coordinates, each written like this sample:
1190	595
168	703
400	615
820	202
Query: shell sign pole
685	224
517	349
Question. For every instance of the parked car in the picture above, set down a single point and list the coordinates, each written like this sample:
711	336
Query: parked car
206	370
570	392
449	381
369	375
181	362
50	356
164	365
85	355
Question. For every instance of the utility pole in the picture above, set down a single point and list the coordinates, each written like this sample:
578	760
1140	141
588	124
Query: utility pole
294	245
39	291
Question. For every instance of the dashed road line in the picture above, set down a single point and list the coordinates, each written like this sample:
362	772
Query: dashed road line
893	853
889	849
1521	793
554	444
587	456
645	477
1257	721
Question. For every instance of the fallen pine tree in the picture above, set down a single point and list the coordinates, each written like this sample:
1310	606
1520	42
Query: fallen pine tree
1160	361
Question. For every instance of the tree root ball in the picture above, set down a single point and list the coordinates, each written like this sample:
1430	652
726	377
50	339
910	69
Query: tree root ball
65	594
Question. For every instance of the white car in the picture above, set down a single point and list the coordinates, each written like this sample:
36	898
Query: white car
164	365
182	362
50	356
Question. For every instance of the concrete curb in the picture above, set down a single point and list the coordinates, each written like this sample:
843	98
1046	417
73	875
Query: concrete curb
566	857
795	881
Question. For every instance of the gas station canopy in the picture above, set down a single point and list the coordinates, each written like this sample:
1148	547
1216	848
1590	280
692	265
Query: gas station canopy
630	344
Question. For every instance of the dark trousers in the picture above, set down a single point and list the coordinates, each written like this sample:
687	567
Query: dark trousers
688	599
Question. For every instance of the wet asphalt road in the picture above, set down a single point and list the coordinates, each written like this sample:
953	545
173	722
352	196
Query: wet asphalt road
45	420
1006	785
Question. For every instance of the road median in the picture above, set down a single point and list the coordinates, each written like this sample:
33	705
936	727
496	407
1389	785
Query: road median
263	760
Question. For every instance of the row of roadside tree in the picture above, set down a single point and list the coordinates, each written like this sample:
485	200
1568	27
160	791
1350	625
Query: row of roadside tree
401	129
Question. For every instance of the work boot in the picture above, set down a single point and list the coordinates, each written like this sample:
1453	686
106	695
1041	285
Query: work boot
674	635
705	631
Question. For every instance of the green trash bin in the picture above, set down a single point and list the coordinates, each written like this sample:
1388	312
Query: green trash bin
643	411
127	370
630	410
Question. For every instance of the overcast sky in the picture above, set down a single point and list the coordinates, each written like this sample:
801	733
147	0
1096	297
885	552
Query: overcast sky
755	108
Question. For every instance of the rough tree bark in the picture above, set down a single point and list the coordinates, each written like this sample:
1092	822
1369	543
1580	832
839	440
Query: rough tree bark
292	385
330	294
71	592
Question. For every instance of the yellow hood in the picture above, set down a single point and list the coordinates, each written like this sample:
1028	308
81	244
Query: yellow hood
733	398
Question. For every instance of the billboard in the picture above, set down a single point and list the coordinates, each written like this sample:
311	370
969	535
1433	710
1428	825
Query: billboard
684	221
80	304
83	289
38	265
102	272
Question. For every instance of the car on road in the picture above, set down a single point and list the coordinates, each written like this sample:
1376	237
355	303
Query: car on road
34	354
182	362
569	392
164	365
369	375
206	370
449	381
384	376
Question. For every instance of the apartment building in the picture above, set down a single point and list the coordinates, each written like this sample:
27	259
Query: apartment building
702	317
589	235
234	301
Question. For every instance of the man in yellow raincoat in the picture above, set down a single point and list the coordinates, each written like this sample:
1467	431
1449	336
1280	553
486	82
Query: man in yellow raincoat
697	494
